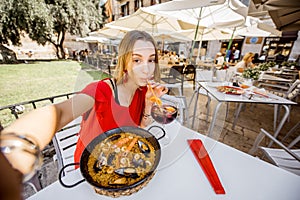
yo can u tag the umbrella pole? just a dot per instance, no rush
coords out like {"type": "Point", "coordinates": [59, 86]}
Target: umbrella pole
{"type": "Point", "coordinates": [200, 44]}
{"type": "Point", "coordinates": [230, 42]}
{"type": "Point", "coordinates": [195, 36]}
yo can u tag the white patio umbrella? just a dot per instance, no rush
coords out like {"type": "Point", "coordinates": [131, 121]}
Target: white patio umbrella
{"type": "Point", "coordinates": [169, 38]}
{"type": "Point", "coordinates": [93, 39]}
{"type": "Point", "coordinates": [110, 33]}
{"type": "Point", "coordinates": [207, 34]}
{"type": "Point", "coordinates": [232, 13]}
{"type": "Point", "coordinates": [150, 21]}
{"type": "Point", "coordinates": [186, 4]}
{"type": "Point", "coordinates": [256, 28]}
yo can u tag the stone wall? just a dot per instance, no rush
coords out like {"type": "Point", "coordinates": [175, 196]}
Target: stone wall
{"type": "Point", "coordinates": [30, 50]}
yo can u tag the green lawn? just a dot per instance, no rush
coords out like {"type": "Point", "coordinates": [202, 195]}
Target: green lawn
{"type": "Point", "coordinates": [24, 82]}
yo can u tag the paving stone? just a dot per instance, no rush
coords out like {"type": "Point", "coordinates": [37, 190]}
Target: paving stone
{"type": "Point", "coordinates": [237, 129]}
{"type": "Point", "coordinates": [250, 134]}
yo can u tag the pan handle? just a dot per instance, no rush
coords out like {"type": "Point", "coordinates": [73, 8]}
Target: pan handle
{"type": "Point", "coordinates": [163, 131]}
{"type": "Point", "coordinates": [61, 172]}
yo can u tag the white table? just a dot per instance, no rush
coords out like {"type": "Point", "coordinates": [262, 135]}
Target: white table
{"type": "Point", "coordinates": [284, 74]}
{"type": "Point", "coordinates": [267, 77]}
{"type": "Point", "coordinates": [211, 88]}
{"type": "Point", "coordinates": [179, 176]}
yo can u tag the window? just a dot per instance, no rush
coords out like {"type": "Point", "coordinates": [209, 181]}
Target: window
{"type": "Point", "coordinates": [125, 9]}
{"type": "Point", "coordinates": [153, 2]}
{"type": "Point", "coordinates": [138, 4]}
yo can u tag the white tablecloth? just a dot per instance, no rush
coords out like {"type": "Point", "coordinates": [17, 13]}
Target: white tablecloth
{"type": "Point", "coordinates": [179, 176]}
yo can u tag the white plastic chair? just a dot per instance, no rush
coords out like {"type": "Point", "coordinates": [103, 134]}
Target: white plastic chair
{"type": "Point", "coordinates": [174, 79]}
{"type": "Point", "coordinates": [64, 143]}
{"type": "Point", "coordinates": [290, 93]}
{"type": "Point", "coordinates": [174, 85]}
{"type": "Point", "coordinates": [284, 157]}
{"type": "Point", "coordinates": [221, 75]}
{"type": "Point", "coordinates": [230, 73]}
{"type": "Point", "coordinates": [201, 76]}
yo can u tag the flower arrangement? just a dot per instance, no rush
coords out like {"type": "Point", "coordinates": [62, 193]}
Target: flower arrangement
{"type": "Point", "coordinates": [288, 64]}
{"type": "Point", "coordinates": [265, 66]}
{"type": "Point", "coordinates": [251, 73]}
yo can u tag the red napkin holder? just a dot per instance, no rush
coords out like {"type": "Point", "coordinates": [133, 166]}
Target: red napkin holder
{"type": "Point", "coordinates": [206, 164]}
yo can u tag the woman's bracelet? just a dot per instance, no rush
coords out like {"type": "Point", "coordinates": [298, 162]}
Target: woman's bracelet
{"type": "Point", "coordinates": [146, 115]}
{"type": "Point", "coordinates": [147, 119]}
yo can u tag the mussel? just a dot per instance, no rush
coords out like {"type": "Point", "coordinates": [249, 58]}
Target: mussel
{"type": "Point", "coordinates": [127, 172]}
{"type": "Point", "coordinates": [100, 162]}
{"type": "Point", "coordinates": [114, 137]}
{"type": "Point", "coordinates": [143, 147]}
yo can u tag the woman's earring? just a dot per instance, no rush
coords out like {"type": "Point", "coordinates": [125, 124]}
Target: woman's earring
{"type": "Point", "coordinates": [125, 78]}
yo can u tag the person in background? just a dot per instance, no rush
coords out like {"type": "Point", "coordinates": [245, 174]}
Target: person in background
{"type": "Point", "coordinates": [279, 58]}
{"type": "Point", "coordinates": [256, 59]}
{"type": "Point", "coordinates": [228, 55]}
{"type": "Point", "coordinates": [219, 59]}
{"type": "Point", "coordinates": [245, 63]}
{"type": "Point", "coordinates": [173, 57]}
{"type": "Point", "coordinates": [166, 56]}
{"type": "Point", "coordinates": [236, 55]}
{"type": "Point", "coordinates": [182, 56]}
{"type": "Point", "coordinates": [124, 100]}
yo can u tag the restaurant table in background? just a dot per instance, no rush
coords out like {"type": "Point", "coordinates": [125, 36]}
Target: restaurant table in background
{"type": "Point", "coordinates": [283, 74]}
{"type": "Point", "coordinates": [221, 97]}
{"type": "Point", "coordinates": [206, 64]}
{"type": "Point", "coordinates": [179, 176]}
{"type": "Point", "coordinates": [267, 77]}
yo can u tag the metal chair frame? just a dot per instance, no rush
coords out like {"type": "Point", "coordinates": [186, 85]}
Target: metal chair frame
{"type": "Point", "coordinates": [284, 157]}
{"type": "Point", "coordinates": [18, 109]}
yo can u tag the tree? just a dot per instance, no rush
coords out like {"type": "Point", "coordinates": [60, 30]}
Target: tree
{"type": "Point", "coordinates": [47, 20]}
{"type": "Point", "coordinates": [18, 17]}
{"type": "Point", "coordinates": [75, 17]}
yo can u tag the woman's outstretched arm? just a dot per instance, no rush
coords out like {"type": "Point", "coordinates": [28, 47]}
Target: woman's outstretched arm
{"type": "Point", "coordinates": [43, 123]}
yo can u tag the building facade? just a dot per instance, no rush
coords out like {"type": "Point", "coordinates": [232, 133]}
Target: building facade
{"type": "Point", "coordinates": [121, 8]}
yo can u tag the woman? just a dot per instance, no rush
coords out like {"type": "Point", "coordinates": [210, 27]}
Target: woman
{"type": "Point", "coordinates": [121, 101]}
{"type": "Point", "coordinates": [245, 63]}
{"type": "Point", "coordinates": [219, 59]}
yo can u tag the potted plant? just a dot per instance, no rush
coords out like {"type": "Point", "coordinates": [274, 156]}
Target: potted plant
{"type": "Point", "coordinates": [251, 73]}
{"type": "Point", "coordinates": [265, 66]}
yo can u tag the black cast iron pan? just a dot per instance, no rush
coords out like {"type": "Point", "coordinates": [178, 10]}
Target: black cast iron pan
{"type": "Point", "coordinates": [87, 151]}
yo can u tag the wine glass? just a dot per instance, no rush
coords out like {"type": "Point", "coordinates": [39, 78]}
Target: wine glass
{"type": "Point", "coordinates": [164, 114]}
{"type": "Point", "coordinates": [23, 152]}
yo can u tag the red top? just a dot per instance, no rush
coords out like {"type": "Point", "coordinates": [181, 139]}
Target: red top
{"type": "Point", "coordinates": [107, 114]}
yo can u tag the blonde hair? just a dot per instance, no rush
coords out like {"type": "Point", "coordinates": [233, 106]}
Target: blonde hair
{"type": "Point", "coordinates": [126, 50]}
{"type": "Point", "coordinates": [247, 56]}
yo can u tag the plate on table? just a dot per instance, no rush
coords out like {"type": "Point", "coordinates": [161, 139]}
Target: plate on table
{"type": "Point", "coordinates": [244, 86]}
{"type": "Point", "coordinates": [230, 90]}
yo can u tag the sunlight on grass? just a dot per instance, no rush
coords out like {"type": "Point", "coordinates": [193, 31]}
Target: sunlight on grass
{"type": "Point", "coordinates": [25, 82]}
